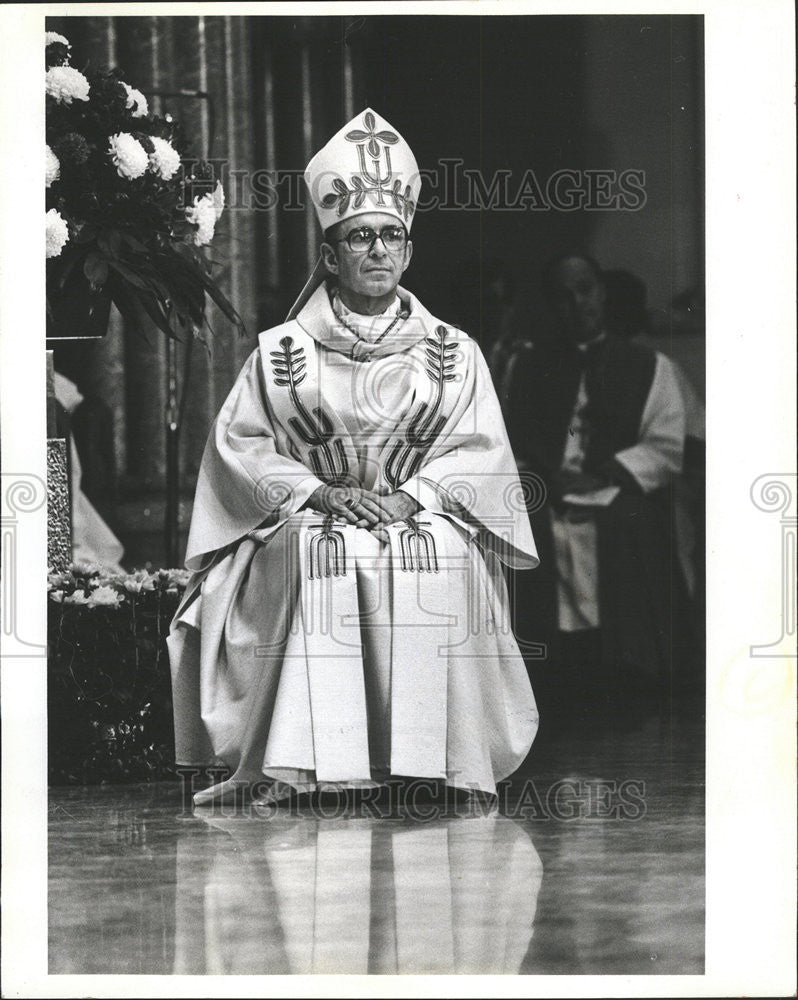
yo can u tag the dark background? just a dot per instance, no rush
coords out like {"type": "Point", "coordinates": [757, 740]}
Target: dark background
{"type": "Point", "coordinates": [500, 93]}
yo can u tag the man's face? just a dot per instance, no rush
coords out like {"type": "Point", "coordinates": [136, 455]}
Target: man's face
{"type": "Point", "coordinates": [374, 273]}
{"type": "Point", "coordinates": [577, 298]}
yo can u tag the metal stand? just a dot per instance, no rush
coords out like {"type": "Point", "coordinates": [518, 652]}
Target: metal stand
{"type": "Point", "coordinates": [171, 519]}
{"type": "Point", "coordinates": [173, 409]}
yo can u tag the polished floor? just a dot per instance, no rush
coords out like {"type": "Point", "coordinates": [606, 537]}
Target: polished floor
{"type": "Point", "coordinates": [593, 862]}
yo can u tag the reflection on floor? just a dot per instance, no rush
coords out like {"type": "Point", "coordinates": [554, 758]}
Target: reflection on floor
{"type": "Point", "coordinates": [593, 864]}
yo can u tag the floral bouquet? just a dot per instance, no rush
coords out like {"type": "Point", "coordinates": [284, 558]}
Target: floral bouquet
{"type": "Point", "coordinates": [95, 586]}
{"type": "Point", "coordinates": [109, 688]}
{"type": "Point", "coordinates": [126, 219]}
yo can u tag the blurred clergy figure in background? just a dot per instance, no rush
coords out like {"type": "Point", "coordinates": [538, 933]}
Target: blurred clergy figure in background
{"type": "Point", "coordinates": [601, 420]}
{"type": "Point", "coordinates": [347, 620]}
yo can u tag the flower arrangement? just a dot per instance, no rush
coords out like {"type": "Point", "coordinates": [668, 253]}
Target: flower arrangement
{"type": "Point", "coordinates": [126, 217]}
{"type": "Point", "coordinates": [109, 688]}
{"type": "Point", "coordinates": [96, 586]}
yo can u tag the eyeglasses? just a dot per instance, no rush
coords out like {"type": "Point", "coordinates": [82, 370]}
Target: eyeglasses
{"type": "Point", "coordinates": [363, 239]}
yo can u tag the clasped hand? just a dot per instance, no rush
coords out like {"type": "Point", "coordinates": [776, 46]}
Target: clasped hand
{"type": "Point", "coordinates": [363, 508]}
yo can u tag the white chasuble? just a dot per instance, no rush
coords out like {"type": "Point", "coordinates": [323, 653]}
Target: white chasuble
{"type": "Point", "coordinates": [334, 668]}
{"type": "Point", "coordinates": [307, 651]}
{"type": "Point", "coordinates": [419, 649]}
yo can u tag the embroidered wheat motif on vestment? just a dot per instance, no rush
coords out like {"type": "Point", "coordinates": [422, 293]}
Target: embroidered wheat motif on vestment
{"type": "Point", "coordinates": [327, 456]}
{"type": "Point", "coordinates": [427, 422]}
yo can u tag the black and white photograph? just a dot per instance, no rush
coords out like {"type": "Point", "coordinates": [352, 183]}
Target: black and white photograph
{"type": "Point", "coordinates": [398, 554]}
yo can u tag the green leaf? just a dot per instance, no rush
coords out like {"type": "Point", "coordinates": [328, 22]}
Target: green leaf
{"type": "Point", "coordinates": [130, 276]}
{"type": "Point", "coordinates": [224, 304]}
{"type": "Point", "coordinates": [68, 266]}
{"type": "Point", "coordinates": [95, 269]}
{"type": "Point", "coordinates": [133, 243]}
{"type": "Point", "coordinates": [85, 234]}
{"type": "Point", "coordinates": [151, 307]}
{"type": "Point", "coordinates": [123, 302]}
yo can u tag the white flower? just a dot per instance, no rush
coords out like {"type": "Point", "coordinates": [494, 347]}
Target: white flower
{"type": "Point", "coordinates": [52, 168]}
{"type": "Point", "coordinates": [104, 596]}
{"type": "Point", "coordinates": [86, 568]}
{"type": "Point", "coordinates": [57, 595]}
{"type": "Point", "coordinates": [136, 582]}
{"type": "Point", "coordinates": [202, 214]}
{"type": "Point", "coordinates": [136, 100]}
{"type": "Point", "coordinates": [77, 598]}
{"type": "Point", "coordinates": [164, 159]}
{"type": "Point", "coordinates": [128, 155]}
{"type": "Point", "coordinates": [57, 233]}
{"type": "Point", "coordinates": [66, 84]}
{"type": "Point", "coordinates": [218, 199]}
{"type": "Point", "coordinates": [51, 37]}
{"type": "Point", "coordinates": [174, 578]}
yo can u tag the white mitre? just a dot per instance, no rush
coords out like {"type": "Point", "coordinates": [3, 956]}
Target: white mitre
{"type": "Point", "coordinates": [366, 167]}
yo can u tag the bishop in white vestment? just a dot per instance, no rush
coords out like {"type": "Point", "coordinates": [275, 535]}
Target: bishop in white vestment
{"type": "Point", "coordinates": [347, 617]}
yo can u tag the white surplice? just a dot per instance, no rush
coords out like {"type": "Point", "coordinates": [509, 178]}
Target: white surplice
{"type": "Point", "coordinates": [306, 651]}
{"type": "Point", "coordinates": [652, 461]}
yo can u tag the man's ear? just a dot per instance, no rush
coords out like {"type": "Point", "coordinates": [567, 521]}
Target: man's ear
{"type": "Point", "coordinates": [408, 255]}
{"type": "Point", "coordinates": [329, 258]}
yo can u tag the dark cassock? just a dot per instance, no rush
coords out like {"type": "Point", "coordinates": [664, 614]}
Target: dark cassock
{"type": "Point", "coordinates": [314, 648]}
{"type": "Point", "coordinates": [609, 412]}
